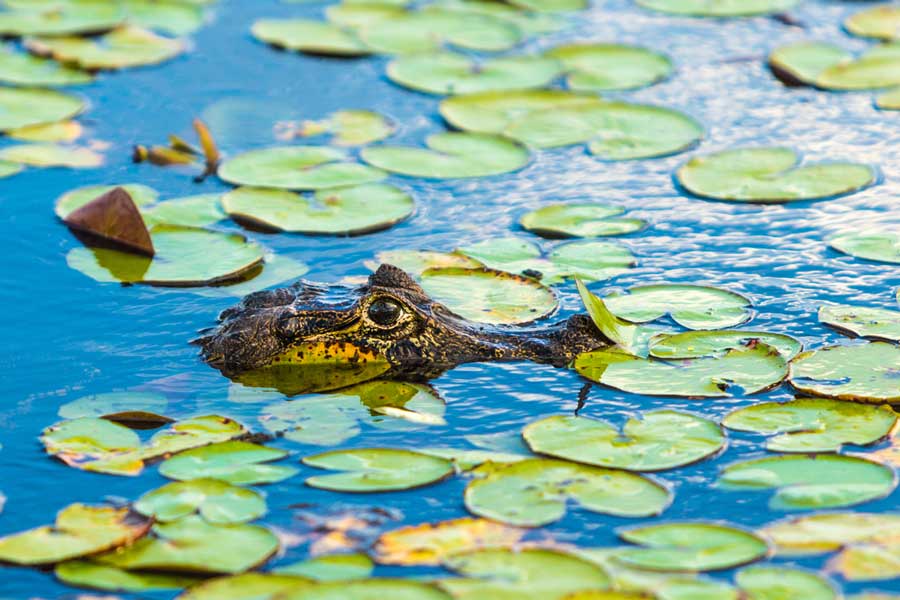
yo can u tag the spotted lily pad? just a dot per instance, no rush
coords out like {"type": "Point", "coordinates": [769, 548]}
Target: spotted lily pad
{"type": "Point", "coordinates": [60, 20]}
{"type": "Point", "coordinates": [338, 211]}
{"type": "Point", "coordinates": [298, 168]}
{"type": "Point", "coordinates": [376, 470]}
{"type": "Point", "coordinates": [431, 544]}
{"type": "Point", "coordinates": [313, 37]}
{"type": "Point", "coordinates": [770, 175]}
{"type": "Point", "coordinates": [121, 48]}
{"type": "Point", "coordinates": [602, 67]}
{"type": "Point", "coordinates": [775, 583]}
{"type": "Point", "coordinates": [24, 69]}
{"type": "Point", "coordinates": [216, 501]}
{"type": "Point", "coordinates": [579, 220]}
{"type": "Point", "coordinates": [659, 440]}
{"type": "Point", "coordinates": [874, 245]}
{"type": "Point", "coordinates": [867, 373]}
{"type": "Point", "coordinates": [238, 463]}
{"type": "Point", "coordinates": [808, 482]}
{"type": "Point", "coordinates": [52, 155]}
{"type": "Point", "coordinates": [863, 321]}
{"type": "Point", "coordinates": [719, 8]}
{"type": "Point", "coordinates": [690, 547]}
{"type": "Point", "coordinates": [695, 344]}
{"type": "Point", "coordinates": [535, 492]}
{"type": "Point", "coordinates": [691, 306]}
{"type": "Point", "coordinates": [814, 425]}
{"type": "Point", "coordinates": [450, 156]}
{"type": "Point", "coordinates": [89, 574]}
{"type": "Point", "coordinates": [23, 107]}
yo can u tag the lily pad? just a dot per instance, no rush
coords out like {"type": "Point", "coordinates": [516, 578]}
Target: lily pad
{"type": "Point", "coordinates": [775, 583]}
{"type": "Point", "coordinates": [238, 463]}
{"type": "Point", "coordinates": [312, 37]}
{"type": "Point", "coordinates": [450, 73]}
{"type": "Point", "coordinates": [696, 344]}
{"type": "Point", "coordinates": [719, 8]}
{"type": "Point", "coordinates": [368, 589]}
{"type": "Point", "coordinates": [751, 370]}
{"type": "Point", "coordinates": [866, 373]}
{"type": "Point", "coordinates": [868, 562]}
{"type": "Point", "coordinates": [297, 168]}
{"type": "Point", "coordinates": [819, 533]}
{"type": "Point", "coordinates": [535, 492]}
{"type": "Point", "coordinates": [61, 131]}
{"type": "Point", "coordinates": [23, 107]}
{"type": "Point", "coordinates": [331, 567]}
{"type": "Point", "coordinates": [24, 69]}
{"type": "Point", "coordinates": [190, 211]}
{"type": "Point", "coordinates": [617, 330]}
{"type": "Point", "coordinates": [216, 501]}
{"type": "Point", "coordinates": [451, 156]}
{"type": "Point", "coordinates": [338, 211]}
{"type": "Point", "coordinates": [801, 63]}
{"type": "Point", "coordinates": [770, 175]}
{"type": "Point", "coordinates": [863, 321]}
{"type": "Point", "coordinates": [275, 270]}
{"type": "Point", "coordinates": [889, 100]}
{"type": "Point", "coordinates": [376, 470]}
{"type": "Point", "coordinates": [494, 112]}
{"type": "Point", "coordinates": [350, 127]}
{"type": "Point", "coordinates": [691, 306]}
{"type": "Point", "coordinates": [606, 67]}
{"type": "Point", "coordinates": [121, 48]}
{"type": "Point", "coordinates": [579, 220]}
{"type": "Point", "coordinates": [657, 441]}
{"type": "Point", "coordinates": [89, 574]}
{"type": "Point", "coordinates": [258, 586]}
{"type": "Point", "coordinates": [105, 405]}
{"type": "Point", "coordinates": [416, 262]}
{"type": "Point", "coordinates": [431, 544]}
{"type": "Point", "coordinates": [833, 68]}
{"type": "Point", "coordinates": [61, 20]}
{"type": "Point", "coordinates": [690, 547]}
{"type": "Point", "coordinates": [814, 425]}
{"type": "Point", "coordinates": [879, 22]}
{"type": "Point", "coordinates": [874, 245]}
{"type": "Point", "coordinates": [812, 482]}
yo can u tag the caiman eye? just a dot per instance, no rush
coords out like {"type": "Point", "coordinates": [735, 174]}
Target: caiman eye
{"type": "Point", "coordinates": [385, 312]}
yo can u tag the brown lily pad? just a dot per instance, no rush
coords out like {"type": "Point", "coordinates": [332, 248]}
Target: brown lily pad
{"type": "Point", "coordinates": [113, 218]}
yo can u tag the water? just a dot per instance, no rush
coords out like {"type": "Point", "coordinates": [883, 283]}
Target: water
{"type": "Point", "coordinates": [67, 336]}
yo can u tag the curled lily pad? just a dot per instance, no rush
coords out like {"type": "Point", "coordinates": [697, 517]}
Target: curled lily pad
{"type": "Point", "coordinates": [298, 168]}
{"type": "Point", "coordinates": [102, 405]}
{"type": "Point", "coordinates": [185, 257]}
{"type": "Point", "coordinates": [350, 127]}
{"type": "Point", "coordinates": [695, 344]}
{"type": "Point", "coordinates": [24, 69]}
{"type": "Point", "coordinates": [368, 589]}
{"type": "Point", "coordinates": [863, 321]}
{"type": "Point", "coordinates": [238, 463]}
{"type": "Point", "coordinates": [807, 482]}
{"type": "Point", "coordinates": [535, 492]}
{"type": "Point", "coordinates": [874, 245]}
{"type": "Point", "coordinates": [451, 156]}
{"type": "Point", "coordinates": [690, 547]}
{"type": "Point", "coordinates": [23, 107]}
{"type": "Point", "coordinates": [691, 306]}
{"type": "Point", "coordinates": [818, 533]}
{"type": "Point", "coordinates": [313, 37]}
{"type": "Point", "coordinates": [814, 425]}
{"type": "Point", "coordinates": [259, 586]}
{"type": "Point", "coordinates": [719, 8]}
{"type": "Point", "coordinates": [331, 567]}
{"type": "Point", "coordinates": [121, 48]}
{"type": "Point", "coordinates": [620, 332]}
{"type": "Point", "coordinates": [659, 440]}
{"type": "Point", "coordinates": [579, 220]}
{"type": "Point", "coordinates": [52, 155]}
{"type": "Point", "coordinates": [141, 195]}
{"type": "Point", "coordinates": [866, 373]}
{"type": "Point", "coordinates": [216, 501]}
{"type": "Point", "coordinates": [431, 544]}
{"type": "Point", "coordinates": [338, 211]}
{"type": "Point", "coordinates": [880, 22]}
{"type": "Point", "coordinates": [489, 296]}
{"type": "Point", "coordinates": [89, 574]}
{"type": "Point", "coordinates": [774, 583]}
{"type": "Point", "coordinates": [450, 73]}
{"type": "Point", "coordinates": [602, 67]}
{"type": "Point", "coordinates": [749, 369]}
{"type": "Point", "coordinates": [60, 20]}
{"type": "Point", "coordinates": [80, 530]}
{"type": "Point", "coordinates": [770, 175]}
{"type": "Point", "coordinates": [376, 470]}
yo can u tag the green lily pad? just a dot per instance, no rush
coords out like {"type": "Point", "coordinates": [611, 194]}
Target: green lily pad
{"type": "Point", "coordinates": [8, 169]}
{"type": "Point", "coordinates": [879, 22]}
{"type": "Point", "coordinates": [61, 131]}
{"type": "Point", "coordinates": [719, 8]}
{"type": "Point", "coordinates": [101, 405]}
{"type": "Point", "coordinates": [863, 321]}
{"type": "Point", "coordinates": [190, 211]}
{"type": "Point", "coordinates": [312, 37]}
{"type": "Point", "coordinates": [338, 211]}
{"type": "Point", "coordinates": [216, 501]}
{"type": "Point", "coordinates": [530, 574]}
{"type": "Point", "coordinates": [238, 463]}
{"type": "Point", "coordinates": [752, 370]}
{"type": "Point", "coordinates": [696, 344]}
{"type": "Point", "coordinates": [691, 306]}
{"type": "Point", "coordinates": [61, 20]}
{"type": "Point", "coordinates": [866, 373]}
{"type": "Point", "coordinates": [185, 257]}
{"type": "Point", "coordinates": [297, 168]}
{"type": "Point", "coordinates": [690, 547]}
{"type": "Point", "coordinates": [605, 67]}
{"type": "Point", "coordinates": [89, 574]}
{"type": "Point", "coordinates": [332, 567]}
{"type": "Point", "coordinates": [173, 17]}
{"type": "Point", "coordinates": [191, 545]}
{"type": "Point", "coordinates": [24, 69]}
{"type": "Point", "coordinates": [889, 100]}
{"type": "Point", "coordinates": [70, 201]}
{"type": "Point", "coordinates": [579, 220]}
{"type": "Point", "coordinates": [350, 127]}
{"type": "Point", "coordinates": [51, 155]}
{"type": "Point", "coordinates": [121, 48]}
{"type": "Point", "coordinates": [535, 492]}
{"type": "Point", "coordinates": [416, 262]}
{"type": "Point", "coordinates": [451, 156]}
{"type": "Point", "coordinates": [801, 63]}
{"type": "Point", "coordinates": [276, 270]}
{"type": "Point", "coordinates": [808, 482]}
{"type": "Point", "coordinates": [450, 73]}
{"type": "Point", "coordinates": [868, 562]}
{"type": "Point", "coordinates": [79, 530]}
{"type": "Point", "coordinates": [617, 330]}
{"type": "Point", "coordinates": [258, 586]}
{"type": "Point", "coordinates": [778, 583]}
{"type": "Point", "coordinates": [23, 107]}
{"type": "Point", "coordinates": [433, 543]}
{"type": "Point", "coordinates": [368, 589]}
{"type": "Point", "coordinates": [489, 296]}
{"type": "Point", "coordinates": [832, 68]}
{"type": "Point", "coordinates": [359, 14]}
{"type": "Point", "coordinates": [466, 460]}
{"type": "Point", "coordinates": [814, 425]}
{"type": "Point", "coordinates": [875, 245]}
{"type": "Point", "coordinates": [376, 470]}
{"type": "Point", "coordinates": [770, 175]}
{"type": "Point", "coordinates": [659, 440]}
{"type": "Point", "coordinates": [494, 112]}
{"type": "Point", "coordinates": [828, 532]}
{"type": "Point", "coordinates": [535, 20]}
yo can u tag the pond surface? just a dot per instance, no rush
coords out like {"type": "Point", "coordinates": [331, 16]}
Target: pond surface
{"type": "Point", "coordinates": [67, 336]}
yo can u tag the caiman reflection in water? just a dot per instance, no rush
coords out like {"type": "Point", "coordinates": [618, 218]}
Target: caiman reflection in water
{"type": "Point", "coordinates": [309, 337]}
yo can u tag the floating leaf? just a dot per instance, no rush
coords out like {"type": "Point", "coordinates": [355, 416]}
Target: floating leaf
{"type": "Point", "coordinates": [719, 8]}
{"type": "Point", "coordinates": [494, 112]}
{"type": "Point", "coordinates": [815, 534]}
{"type": "Point", "coordinates": [141, 195]}
{"type": "Point", "coordinates": [332, 567]}
{"type": "Point", "coordinates": [367, 589]}
{"type": "Point", "coordinates": [451, 155]}
{"type": "Point", "coordinates": [618, 331]}
{"type": "Point", "coordinates": [415, 262]}
{"type": "Point", "coordinates": [807, 482]}
{"type": "Point", "coordinates": [889, 100]}
{"type": "Point", "coordinates": [216, 501]}
{"type": "Point", "coordinates": [868, 562]}
{"type": "Point", "coordinates": [62, 20]}
{"type": "Point", "coordinates": [24, 69]}
{"type": "Point", "coordinates": [872, 323]}
{"type": "Point", "coordinates": [238, 463]}
{"type": "Point", "coordinates": [579, 220]}
{"type": "Point", "coordinates": [89, 574]}
{"type": "Point", "coordinates": [376, 470]}
{"type": "Point", "coordinates": [466, 460]}
{"type": "Point", "coordinates": [775, 583]}
{"type": "Point", "coordinates": [690, 547]}
{"type": "Point", "coordinates": [350, 127]}
{"type": "Point", "coordinates": [121, 48]}
{"type": "Point", "coordinates": [276, 270]}
{"type": "Point", "coordinates": [62, 131]}
{"type": "Point", "coordinates": [880, 22]}
{"type": "Point", "coordinates": [866, 373]}
{"type": "Point", "coordinates": [770, 175]}
{"type": "Point", "coordinates": [102, 405]}
{"type": "Point", "coordinates": [8, 169]}
{"type": "Point", "coordinates": [534, 492]}
{"type": "Point", "coordinates": [695, 344]}
{"type": "Point", "coordinates": [338, 211]}
{"type": "Point", "coordinates": [259, 586]}
{"type": "Point", "coordinates": [114, 218]}
{"type": "Point", "coordinates": [801, 63]}
{"type": "Point", "coordinates": [24, 107]}
{"type": "Point", "coordinates": [833, 68]}
{"type": "Point", "coordinates": [52, 155]}
{"type": "Point", "coordinates": [190, 211]}
{"type": "Point", "coordinates": [298, 168]}
{"type": "Point", "coordinates": [691, 306]}
{"type": "Point", "coordinates": [431, 544]}
{"type": "Point", "coordinates": [659, 440]}
{"type": "Point", "coordinates": [603, 67]}
{"type": "Point", "coordinates": [313, 37]}
{"type": "Point", "coordinates": [874, 245]}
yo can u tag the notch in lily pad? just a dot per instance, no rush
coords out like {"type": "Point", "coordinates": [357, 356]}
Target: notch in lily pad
{"type": "Point", "coordinates": [377, 470]}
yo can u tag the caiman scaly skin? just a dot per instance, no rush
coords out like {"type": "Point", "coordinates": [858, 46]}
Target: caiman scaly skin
{"type": "Point", "coordinates": [390, 315]}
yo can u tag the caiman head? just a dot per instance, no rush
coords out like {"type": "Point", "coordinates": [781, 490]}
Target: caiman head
{"type": "Point", "coordinates": [388, 327]}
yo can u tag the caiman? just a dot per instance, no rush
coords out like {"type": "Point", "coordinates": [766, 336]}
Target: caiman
{"type": "Point", "coordinates": [387, 328]}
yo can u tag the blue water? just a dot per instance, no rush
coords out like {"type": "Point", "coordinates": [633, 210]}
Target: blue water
{"type": "Point", "coordinates": [66, 336]}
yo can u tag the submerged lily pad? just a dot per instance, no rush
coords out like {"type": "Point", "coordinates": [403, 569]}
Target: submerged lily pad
{"type": "Point", "coordinates": [579, 220]}
{"type": "Point", "coordinates": [535, 492]}
{"type": "Point", "coordinates": [238, 463]}
{"type": "Point", "coordinates": [23, 69]}
{"type": "Point", "coordinates": [89, 574]}
{"type": "Point", "coordinates": [863, 321]}
{"type": "Point", "coordinates": [691, 306]}
{"type": "Point", "coordinates": [23, 107]}
{"type": "Point", "coordinates": [866, 373]}
{"type": "Point", "coordinates": [297, 168]}
{"type": "Point", "coordinates": [121, 48]}
{"type": "Point", "coordinates": [775, 583]}
{"type": "Point", "coordinates": [695, 344]}
{"type": "Point", "coordinates": [877, 245]}
{"type": "Point", "coordinates": [807, 482]}
{"type": "Point", "coordinates": [376, 470]}
{"type": "Point", "coordinates": [659, 440]}
{"type": "Point", "coordinates": [770, 175]}
{"type": "Point", "coordinates": [813, 425]}
{"type": "Point", "coordinates": [338, 211]}
{"type": "Point", "coordinates": [719, 8]}
{"type": "Point", "coordinates": [431, 544]}
{"type": "Point", "coordinates": [313, 37]}
{"type": "Point", "coordinates": [216, 501]}
{"type": "Point", "coordinates": [603, 67]}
